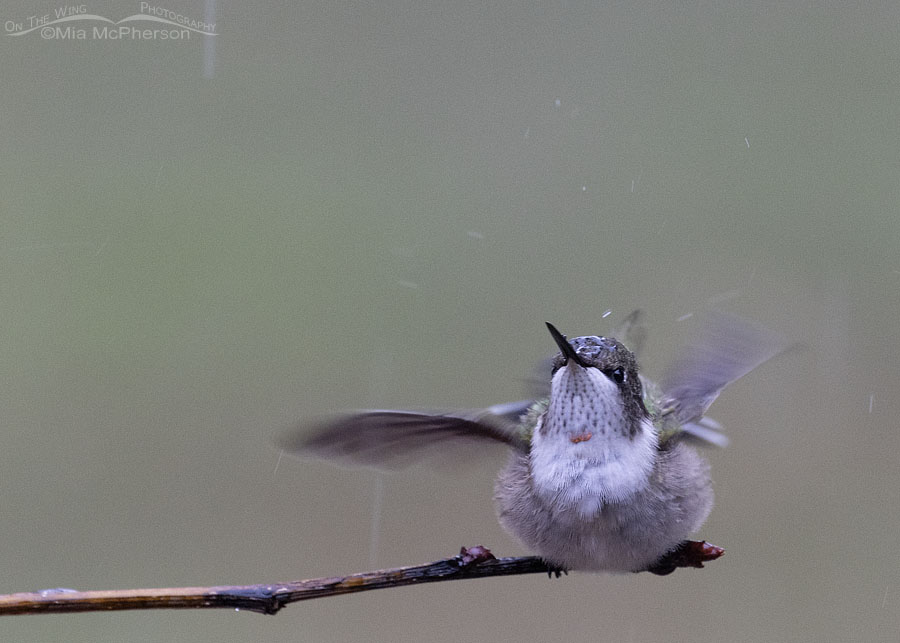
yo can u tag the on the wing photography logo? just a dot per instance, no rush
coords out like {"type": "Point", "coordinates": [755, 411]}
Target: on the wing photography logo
{"type": "Point", "coordinates": [75, 22]}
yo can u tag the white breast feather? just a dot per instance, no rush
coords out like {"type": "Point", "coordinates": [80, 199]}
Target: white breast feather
{"type": "Point", "coordinates": [607, 467]}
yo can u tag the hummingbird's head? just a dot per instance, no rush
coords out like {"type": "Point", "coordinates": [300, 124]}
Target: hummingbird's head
{"type": "Point", "coordinates": [597, 377]}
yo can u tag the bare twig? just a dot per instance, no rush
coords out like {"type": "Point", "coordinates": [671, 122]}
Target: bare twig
{"type": "Point", "coordinates": [476, 562]}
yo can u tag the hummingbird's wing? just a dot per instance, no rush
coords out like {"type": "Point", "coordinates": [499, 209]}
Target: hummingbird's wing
{"type": "Point", "coordinates": [632, 332]}
{"type": "Point", "coordinates": [727, 348]}
{"type": "Point", "coordinates": [705, 431]}
{"type": "Point", "coordinates": [390, 439]}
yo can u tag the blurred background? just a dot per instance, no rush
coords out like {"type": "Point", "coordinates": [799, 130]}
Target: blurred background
{"type": "Point", "coordinates": [205, 241]}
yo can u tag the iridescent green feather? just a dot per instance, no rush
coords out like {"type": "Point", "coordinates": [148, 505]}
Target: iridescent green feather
{"type": "Point", "coordinates": [532, 416]}
{"type": "Point", "coordinates": [666, 425]}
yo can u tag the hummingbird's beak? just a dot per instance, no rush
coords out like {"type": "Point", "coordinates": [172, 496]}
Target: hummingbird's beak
{"type": "Point", "coordinates": [564, 346]}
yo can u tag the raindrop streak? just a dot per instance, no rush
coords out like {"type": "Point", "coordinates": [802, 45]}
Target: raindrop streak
{"type": "Point", "coordinates": [375, 533]}
{"type": "Point", "coordinates": [750, 278]}
{"type": "Point", "coordinates": [871, 402]}
{"type": "Point", "coordinates": [278, 462]}
{"type": "Point", "coordinates": [747, 141]}
{"type": "Point", "coordinates": [209, 42]}
{"type": "Point", "coordinates": [685, 317]}
{"type": "Point", "coordinates": [606, 314]}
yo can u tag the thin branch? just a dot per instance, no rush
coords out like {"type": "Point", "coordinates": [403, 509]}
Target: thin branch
{"type": "Point", "coordinates": [475, 562]}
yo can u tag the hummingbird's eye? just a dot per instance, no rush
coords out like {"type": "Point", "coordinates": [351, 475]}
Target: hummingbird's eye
{"type": "Point", "coordinates": [618, 375]}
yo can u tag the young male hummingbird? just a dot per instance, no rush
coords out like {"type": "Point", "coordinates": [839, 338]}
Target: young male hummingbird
{"type": "Point", "coordinates": [602, 475]}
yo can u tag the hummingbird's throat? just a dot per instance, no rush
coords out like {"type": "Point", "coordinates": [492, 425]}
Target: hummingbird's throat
{"type": "Point", "coordinates": [584, 403]}
{"type": "Point", "coordinates": [585, 453]}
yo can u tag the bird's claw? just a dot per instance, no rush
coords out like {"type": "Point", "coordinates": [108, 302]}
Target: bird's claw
{"type": "Point", "coordinates": [476, 555]}
{"type": "Point", "coordinates": [689, 553]}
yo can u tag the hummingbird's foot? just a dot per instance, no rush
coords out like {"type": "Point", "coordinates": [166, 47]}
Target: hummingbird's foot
{"type": "Point", "coordinates": [555, 570]}
{"type": "Point", "coordinates": [476, 555]}
{"type": "Point", "coordinates": [689, 553]}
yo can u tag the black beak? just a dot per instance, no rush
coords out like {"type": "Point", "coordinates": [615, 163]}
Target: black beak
{"type": "Point", "coordinates": [564, 346]}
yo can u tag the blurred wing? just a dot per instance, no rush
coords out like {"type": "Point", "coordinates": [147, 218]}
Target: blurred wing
{"type": "Point", "coordinates": [706, 431]}
{"type": "Point", "coordinates": [703, 431]}
{"type": "Point", "coordinates": [727, 348]}
{"type": "Point", "coordinates": [632, 332]}
{"type": "Point", "coordinates": [391, 439]}
{"type": "Point", "coordinates": [511, 412]}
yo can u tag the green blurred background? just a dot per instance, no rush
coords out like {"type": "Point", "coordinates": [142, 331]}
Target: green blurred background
{"type": "Point", "coordinates": [332, 205]}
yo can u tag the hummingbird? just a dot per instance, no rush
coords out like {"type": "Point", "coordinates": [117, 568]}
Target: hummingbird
{"type": "Point", "coordinates": [603, 473]}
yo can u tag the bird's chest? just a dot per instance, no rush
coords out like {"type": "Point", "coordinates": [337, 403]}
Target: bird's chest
{"type": "Point", "coordinates": [579, 465]}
